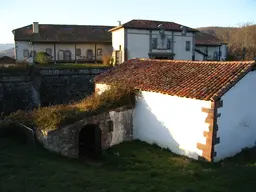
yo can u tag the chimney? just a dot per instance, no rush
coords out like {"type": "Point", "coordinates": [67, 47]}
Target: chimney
{"type": "Point", "coordinates": [119, 23]}
{"type": "Point", "coordinates": [35, 27]}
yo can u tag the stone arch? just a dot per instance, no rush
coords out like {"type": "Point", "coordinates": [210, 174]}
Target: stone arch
{"type": "Point", "coordinates": [89, 143]}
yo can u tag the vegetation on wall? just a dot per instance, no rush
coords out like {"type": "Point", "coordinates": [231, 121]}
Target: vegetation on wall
{"type": "Point", "coordinates": [241, 40]}
{"type": "Point", "coordinates": [53, 117]}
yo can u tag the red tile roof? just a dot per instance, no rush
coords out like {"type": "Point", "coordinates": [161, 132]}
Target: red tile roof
{"type": "Point", "coordinates": [65, 33]}
{"type": "Point", "coordinates": [204, 80]}
{"type": "Point", "coordinates": [150, 24]}
{"type": "Point", "coordinates": [207, 39]}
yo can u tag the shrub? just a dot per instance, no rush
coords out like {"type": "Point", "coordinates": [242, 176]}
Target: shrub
{"type": "Point", "coordinates": [52, 117]}
{"type": "Point", "coordinates": [42, 58]}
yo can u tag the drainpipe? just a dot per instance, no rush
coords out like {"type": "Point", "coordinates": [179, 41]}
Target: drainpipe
{"type": "Point", "coordinates": [219, 52]}
{"type": "Point", "coordinates": [54, 49]}
{"type": "Point", "coordinates": [33, 55]}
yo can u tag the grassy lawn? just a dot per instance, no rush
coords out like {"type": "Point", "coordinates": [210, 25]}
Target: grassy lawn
{"type": "Point", "coordinates": [132, 166]}
{"type": "Point", "coordinates": [72, 65]}
{"type": "Point", "coordinates": [23, 67]}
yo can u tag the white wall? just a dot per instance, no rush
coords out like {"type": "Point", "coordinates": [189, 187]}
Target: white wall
{"type": "Point", "coordinates": [41, 47]}
{"type": "Point", "coordinates": [118, 37]}
{"type": "Point", "coordinates": [20, 46]}
{"type": "Point", "coordinates": [212, 49]}
{"type": "Point", "coordinates": [199, 57]}
{"type": "Point", "coordinates": [171, 122]}
{"type": "Point", "coordinates": [138, 43]}
{"type": "Point", "coordinates": [100, 88]}
{"type": "Point", "coordinates": [180, 46]}
{"type": "Point", "coordinates": [237, 124]}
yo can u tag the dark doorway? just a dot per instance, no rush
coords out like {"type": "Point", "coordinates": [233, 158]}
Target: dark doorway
{"type": "Point", "coordinates": [161, 57]}
{"type": "Point", "coordinates": [89, 141]}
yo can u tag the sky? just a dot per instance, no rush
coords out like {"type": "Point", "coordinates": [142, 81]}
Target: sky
{"type": "Point", "coordinates": [192, 13]}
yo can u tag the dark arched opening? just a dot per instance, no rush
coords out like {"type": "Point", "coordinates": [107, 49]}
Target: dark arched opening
{"type": "Point", "coordinates": [89, 141]}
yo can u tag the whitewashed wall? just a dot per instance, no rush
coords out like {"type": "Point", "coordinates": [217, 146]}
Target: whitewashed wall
{"type": "Point", "coordinates": [20, 46]}
{"type": "Point", "coordinates": [199, 57]}
{"type": "Point", "coordinates": [212, 49]}
{"type": "Point", "coordinates": [118, 37]}
{"type": "Point", "coordinates": [100, 88]}
{"type": "Point", "coordinates": [41, 47]}
{"type": "Point", "coordinates": [180, 46]}
{"type": "Point", "coordinates": [224, 51]}
{"type": "Point", "coordinates": [237, 124]}
{"type": "Point", "coordinates": [138, 43]}
{"type": "Point", "coordinates": [171, 122]}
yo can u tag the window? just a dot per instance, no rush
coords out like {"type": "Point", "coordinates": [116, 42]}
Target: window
{"type": "Point", "coordinates": [169, 44]}
{"type": "Point", "coordinates": [220, 53]}
{"type": "Point", "coordinates": [25, 53]}
{"type": "Point", "coordinates": [110, 126]}
{"type": "Point", "coordinates": [99, 52]}
{"type": "Point", "coordinates": [215, 55]}
{"type": "Point", "coordinates": [188, 45]}
{"type": "Point", "coordinates": [78, 52]}
{"type": "Point", "coordinates": [48, 51]}
{"type": "Point", "coordinates": [89, 54]}
{"type": "Point", "coordinates": [154, 43]}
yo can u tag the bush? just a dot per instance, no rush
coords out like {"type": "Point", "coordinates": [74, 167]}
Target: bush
{"type": "Point", "coordinates": [53, 117]}
{"type": "Point", "coordinates": [42, 58]}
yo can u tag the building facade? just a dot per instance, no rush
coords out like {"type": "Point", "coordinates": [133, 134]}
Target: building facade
{"type": "Point", "coordinates": [63, 43]}
{"type": "Point", "coordinates": [192, 108]}
{"type": "Point", "coordinates": [164, 40]}
{"type": "Point", "coordinates": [134, 39]}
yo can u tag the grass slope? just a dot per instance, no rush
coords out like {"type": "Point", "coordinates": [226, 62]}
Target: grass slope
{"type": "Point", "coordinates": [129, 167]}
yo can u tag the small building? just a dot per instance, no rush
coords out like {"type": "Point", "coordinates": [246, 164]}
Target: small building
{"type": "Point", "coordinates": [162, 40]}
{"type": "Point", "coordinates": [209, 48]}
{"type": "Point", "coordinates": [65, 43]}
{"type": "Point", "coordinates": [200, 109]}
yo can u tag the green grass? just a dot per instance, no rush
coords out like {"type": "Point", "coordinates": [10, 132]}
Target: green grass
{"type": "Point", "coordinates": [129, 167]}
{"type": "Point", "coordinates": [72, 65]}
{"type": "Point", "coordinates": [18, 68]}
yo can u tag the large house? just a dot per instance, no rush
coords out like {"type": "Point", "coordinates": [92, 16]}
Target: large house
{"type": "Point", "coordinates": [65, 43]}
{"type": "Point", "coordinates": [134, 39]}
{"type": "Point", "coordinates": [201, 109]}
{"type": "Point", "coordinates": [164, 40]}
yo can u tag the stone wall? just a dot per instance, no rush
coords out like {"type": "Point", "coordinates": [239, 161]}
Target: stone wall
{"type": "Point", "coordinates": [44, 87]}
{"type": "Point", "coordinates": [65, 140]}
{"type": "Point", "coordinates": [17, 92]}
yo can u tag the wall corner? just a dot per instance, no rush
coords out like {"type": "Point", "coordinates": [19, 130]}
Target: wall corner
{"type": "Point", "coordinates": [208, 151]}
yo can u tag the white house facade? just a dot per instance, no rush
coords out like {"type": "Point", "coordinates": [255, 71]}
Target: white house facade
{"type": "Point", "coordinates": [164, 40]}
{"type": "Point", "coordinates": [203, 110]}
{"type": "Point", "coordinates": [134, 39]}
{"type": "Point", "coordinates": [63, 43]}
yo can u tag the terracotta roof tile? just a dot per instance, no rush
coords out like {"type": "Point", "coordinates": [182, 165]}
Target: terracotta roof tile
{"type": "Point", "coordinates": [204, 80]}
{"type": "Point", "coordinates": [207, 39]}
{"type": "Point", "coordinates": [151, 24]}
{"type": "Point", "coordinates": [65, 33]}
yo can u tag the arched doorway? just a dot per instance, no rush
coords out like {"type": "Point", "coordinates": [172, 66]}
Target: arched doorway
{"type": "Point", "coordinates": [89, 141]}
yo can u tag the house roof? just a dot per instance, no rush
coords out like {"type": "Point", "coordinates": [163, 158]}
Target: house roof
{"type": "Point", "coordinates": [204, 80]}
{"type": "Point", "coordinates": [207, 39]}
{"type": "Point", "coordinates": [150, 24]}
{"type": "Point", "coordinates": [65, 33]}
